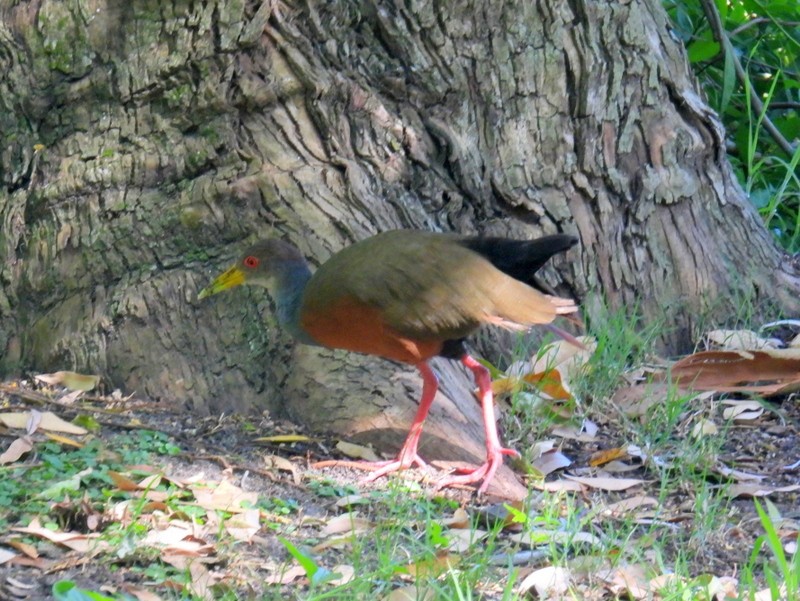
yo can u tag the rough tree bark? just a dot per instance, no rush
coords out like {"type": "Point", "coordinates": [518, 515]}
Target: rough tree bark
{"type": "Point", "coordinates": [144, 142]}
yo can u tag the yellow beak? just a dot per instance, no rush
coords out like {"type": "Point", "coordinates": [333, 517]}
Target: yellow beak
{"type": "Point", "coordinates": [230, 279]}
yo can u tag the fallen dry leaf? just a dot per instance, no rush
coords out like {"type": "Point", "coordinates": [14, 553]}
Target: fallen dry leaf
{"type": "Point", "coordinates": [740, 340]}
{"type": "Point", "coordinates": [357, 451]}
{"type": "Point", "coordinates": [346, 522]}
{"type": "Point", "coordinates": [225, 496]}
{"type": "Point", "coordinates": [244, 526]}
{"type": "Point", "coordinates": [768, 372]}
{"type": "Point", "coordinates": [16, 449]}
{"type": "Point", "coordinates": [742, 410]}
{"type": "Point", "coordinates": [286, 577]}
{"type": "Point", "coordinates": [605, 483]}
{"type": "Point", "coordinates": [343, 574]}
{"type": "Point", "coordinates": [26, 548]}
{"type": "Point", "coordinates": [586, 433]}
{"type": "Point", "coordinates": [459, 519]}
{"type": "Point", "coordinates": [65, 440]}
{"type": "Point", "coordinates": [284, 465]}
{"type": "Point", "coordinates": [626, 506]}
{"type": "Point", "coordinates": [752, 489]}
{"type": "Point", "coordinates": [432, 568]}
{"type": "Point", "coordinates": [629, 579]}
{"type": "Point", "coordinates": [637, 399]}
{"type": "Point", "coordinates": [285, 438]}
{"type": "Point", "coordinates": [410, 593]}
{"type": "Point", "coordinates": [49, 421]}
{"type": "Point", "coordinates": [704, 427]}
{"type": "Point", "coordinates": [76, 541]}
{"type": "Point", "coordinates": [6, 555]}
{"type": "Point", "coordinates": [602, 457]}
{"type": "Point", "coordinates": [558, 486]}
{"type": "Point", "coordinates": [549, 462]}
{"type": "Point", "coordinates": [70, 379]}
{"type": "Point", "coordinates": [539, 537]}
{"type": "Point", "coordinates": [549, 583]}
{"type": "Point", "coordinates": [171, 535]}
{"type": "Point", "coordinates": [550, 371]}
{"type": "Point", "coordinates": [462, 540]}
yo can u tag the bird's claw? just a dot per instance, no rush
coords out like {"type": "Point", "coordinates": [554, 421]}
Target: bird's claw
{"type": "Point", "coordinates": [403, 462]}
{"type": "Point", "coordinates": [484, 472]}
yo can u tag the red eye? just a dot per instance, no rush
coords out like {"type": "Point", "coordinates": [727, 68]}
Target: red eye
{"type": "Point", "coordinates": [251, 262]}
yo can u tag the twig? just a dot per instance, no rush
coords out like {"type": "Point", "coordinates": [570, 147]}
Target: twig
{"type": "Point", "coordinates": [715, 21]}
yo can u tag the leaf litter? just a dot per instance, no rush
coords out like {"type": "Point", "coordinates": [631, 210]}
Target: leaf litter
{"type": "Point", "coordinates": [204, 512]}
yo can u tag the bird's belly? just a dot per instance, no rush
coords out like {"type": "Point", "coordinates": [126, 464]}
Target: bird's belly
{"type": "Point", "coordinates": [354, 326]}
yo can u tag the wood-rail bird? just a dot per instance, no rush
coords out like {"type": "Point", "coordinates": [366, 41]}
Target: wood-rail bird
{"type": "Point", "coordinates": [409, 296]}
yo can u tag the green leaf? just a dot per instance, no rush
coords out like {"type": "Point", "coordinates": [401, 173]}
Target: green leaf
{"type": "Point", "coordinates": [722, 8]}
{"type": "Point", "coordinates": [316, 574]}
{"type": "Point", "coordinates": [728, 79]}
{"type": "Point", "coordinates": [305, 561]}
{"type": "Point", "coordinates": [702, 50]}
{"type": "Point", "coordinates": [65, 590]}
{"type": "Point", "coordinates": [87, 421]}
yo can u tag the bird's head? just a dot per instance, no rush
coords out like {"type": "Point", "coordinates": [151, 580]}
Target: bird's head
{"type": "Point", "coordinates": [260, 264]}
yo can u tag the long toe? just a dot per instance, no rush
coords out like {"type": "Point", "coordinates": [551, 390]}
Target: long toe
{"type": "Point", "coordinates": [401, 463]}
{"type": "Point", "coordinates": [484, 472]}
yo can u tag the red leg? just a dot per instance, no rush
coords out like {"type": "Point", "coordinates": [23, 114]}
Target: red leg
{"type": "Point", "coordinates": [408, 455]}
{"type": "Point", "coordinates": [494, 450]}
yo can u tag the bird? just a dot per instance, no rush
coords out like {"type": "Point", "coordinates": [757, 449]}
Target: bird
{"type": "Point", "coordinates": [409, 296]}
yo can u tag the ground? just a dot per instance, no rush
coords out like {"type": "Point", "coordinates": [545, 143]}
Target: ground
{"type": "Point", "coordinates": [136, 507]}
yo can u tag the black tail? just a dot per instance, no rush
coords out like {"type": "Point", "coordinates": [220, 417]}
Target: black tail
{"type": "Point", "coordinates": [520, 259]}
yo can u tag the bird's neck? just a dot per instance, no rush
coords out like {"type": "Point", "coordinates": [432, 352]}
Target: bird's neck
{"type": "Point", "coordinates": [290, 282]}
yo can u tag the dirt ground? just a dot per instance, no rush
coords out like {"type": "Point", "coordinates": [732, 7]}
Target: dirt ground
{"type": "Point", "coordinates": [225, 448]}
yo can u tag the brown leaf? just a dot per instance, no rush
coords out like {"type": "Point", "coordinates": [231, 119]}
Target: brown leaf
{"type": "Point", "coordinates": [626, 506]}
{"type": "Point", "coordinates": [281, 463]}
{"type": "Point", "coordinates": [285, 438]}
{"type": "Point", "coordinates": [347, 522]}
{"type": "Point", "coordinates": [742, 410]}
{"type": "Point", "coordinates": [225, 497]}
{"type": "Point", "coordinates": [586, 433]}
{"type": "Point", "coordinates": [637, 399]}
{"type": "Point", "coordinates": [459, 519]}
{"type": "Point", "coordinates": [6, 555]}
{"type": "Point", "coordinates": [74, 540]}
{"type": "Point", "coordinates": [549, 582]}
{"type": "Point", "coordinates": [605, 483]}
{"type": "Point", "coordinates": [345, 574]}
{"type": "Point", "coordinates": [286, 577]}
{"type": "Point", "coordinates": [122, 482]}
{"type": "Point", "coordinates": [70, 379]}
{"type": "Point", "coordinates": [599, 458]}
{"type": "Point", "coordinates": [550, 462]}
{"type": "Point", "coordinates": [753, 489]}
{"type": "Point", "coordinates": [558, 486]}
{"type": "Point", "coordinates": [65, 440]}
{"type": "Point", "coordinates": [767, 372]}
{"type": "Point", "coordinates": [16, 449]}
{"type": "Point", "coordinates": [244, 526]}
{"type": "Point", "coordinates": [410, 593]}
{"type": "Point", "coordinates": [432, 568]}
{"type": "Point", "coordinates": [357, 451]}
{"type": "Point", "coordinates": [740, 340]}
{"type": "Point", "coordinates": [25, 548]}
{"type": "Point", "coordinates": [49, 421]}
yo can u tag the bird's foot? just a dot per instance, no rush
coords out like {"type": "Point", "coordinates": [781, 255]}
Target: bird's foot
{"type": "Point", "coordinates": [403, 462]}
{"type": "Point", "coordinates": [485, 472]}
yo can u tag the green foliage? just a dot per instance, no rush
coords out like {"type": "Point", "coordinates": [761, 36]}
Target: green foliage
{"type": "Point", "coordinates": [65, 590]}
{"type": "Point", "coordinates": [760, 105]}
{"type": "Point", "coordinates": [783, 572]}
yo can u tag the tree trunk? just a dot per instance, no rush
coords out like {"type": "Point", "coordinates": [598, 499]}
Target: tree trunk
{"type": "Point", "coordinates": [145, 142]}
